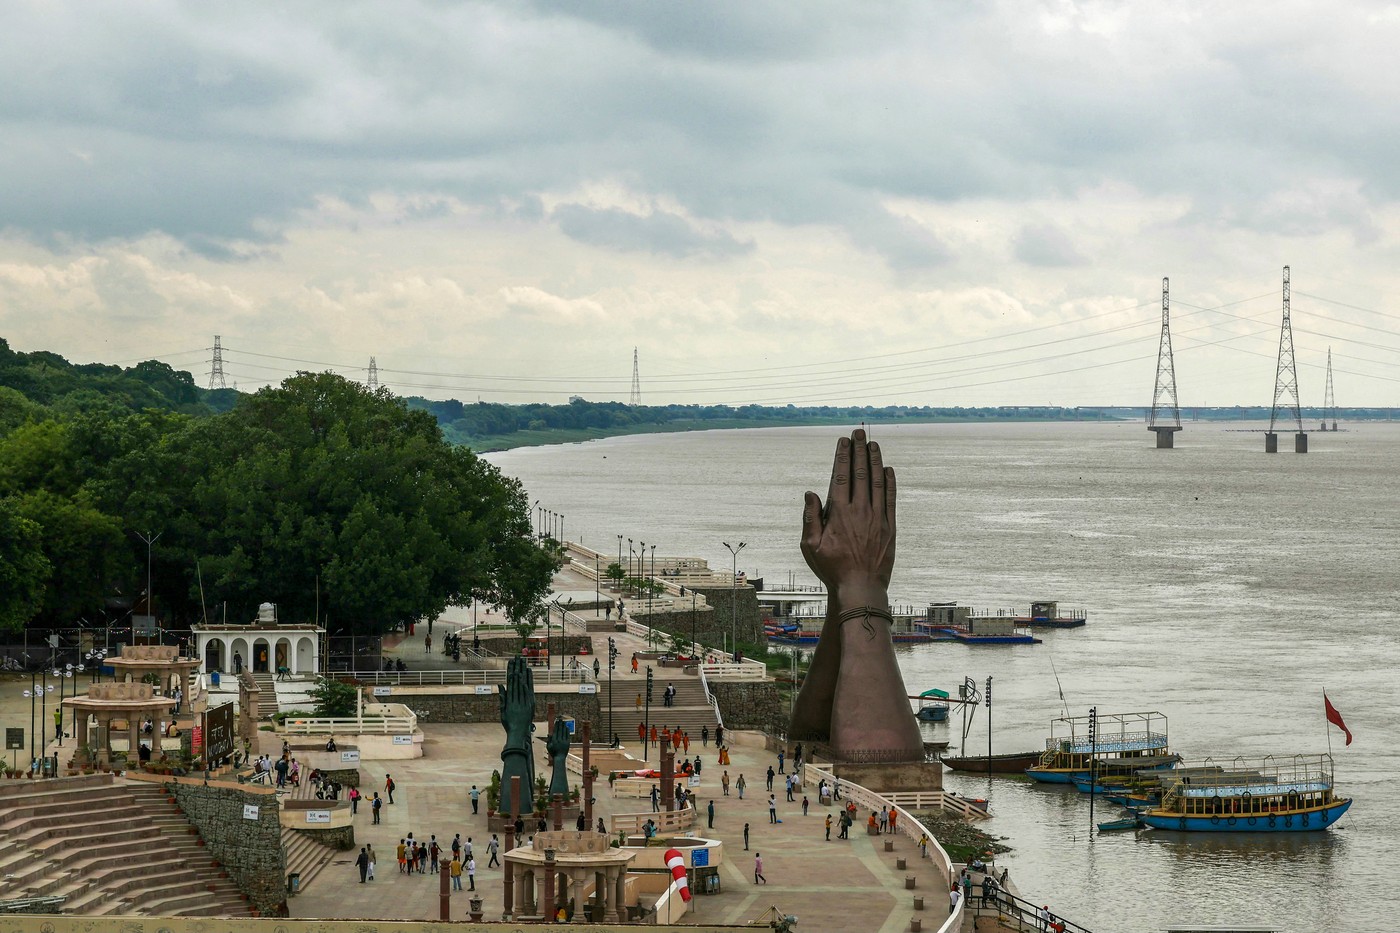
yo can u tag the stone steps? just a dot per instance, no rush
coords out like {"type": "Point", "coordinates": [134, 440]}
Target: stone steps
{"type": "Point", "coordinates": [305, 855]}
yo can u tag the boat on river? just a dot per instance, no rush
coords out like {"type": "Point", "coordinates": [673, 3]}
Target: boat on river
{"type": "Point", "coordinates": [1132, 821]}
{"type": "Point", "coordinates": [1269, 795]}
{"type": "Point", "coordinates": [1009, 763]}
{"type": "Point", "coordinates": [1121, 740]}
{"type": "Point", "coordinates": [933, 706]}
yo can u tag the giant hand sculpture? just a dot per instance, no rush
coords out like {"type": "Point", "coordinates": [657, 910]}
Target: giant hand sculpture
{"type": "Point", "coordinates": [517, 717]}
{"type": "Point", "coordinates": [854, 699]}
{"type": "Point", "coordinates": [558, 747]}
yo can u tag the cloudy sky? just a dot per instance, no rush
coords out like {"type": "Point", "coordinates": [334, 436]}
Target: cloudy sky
{"type": "Point", "coordinates": [923, 203]}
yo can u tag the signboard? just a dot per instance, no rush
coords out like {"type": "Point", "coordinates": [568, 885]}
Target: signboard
{"type": "Point", "coordinates": [350, 756]}
{"type": "Point", "coordinates": [250, 811]}
{"type": "Point", "coordinates": [197, 739]}
{"type": "Point", "coordinates": [14, 739]}
{"type": "Point", "coordinates": [403, 740]}
{"type": "Point", "coordinates": [693, 781]}
{"type": "Point", "coordinates": [587, 688]}
{"type": "Point", "coordinates": [699, 858]}
{"type": "Point", "coordinates": [383, 691]}
{"type": "Point", "coordinates": [318, 816]}
{"type": "Point", "coordinates": [218, 732]}
{"type": "Point", "coordinates": [143, 625]}
{"type": "Point", "coordinates": [485, 689]}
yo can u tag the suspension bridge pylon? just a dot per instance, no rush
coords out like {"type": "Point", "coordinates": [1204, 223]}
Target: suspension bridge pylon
{"type": "Point", "coordinates": [1286, 382]}
{"type": "Point", "coordinates": [1165, 419]}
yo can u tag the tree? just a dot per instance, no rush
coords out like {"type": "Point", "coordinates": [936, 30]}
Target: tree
{"type": "Point", "coordinates": [23, 568]}
{"type": "Point", "coordinates": [334, 698]}
{"type": "Point", "coordinates": [84, 548]}
{"type": "Point", "coordinates": [615, 573]}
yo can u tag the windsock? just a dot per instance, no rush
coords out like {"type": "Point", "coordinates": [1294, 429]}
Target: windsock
{"type": "Point", "coordinates": [676, 862]}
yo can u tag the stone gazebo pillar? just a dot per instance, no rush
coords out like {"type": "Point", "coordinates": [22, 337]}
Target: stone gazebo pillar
{"type": "Point", "coordinates": [111, 701]}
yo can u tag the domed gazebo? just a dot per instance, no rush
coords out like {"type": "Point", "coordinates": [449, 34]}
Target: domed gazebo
{"type": "Point", "coordinates": [132, 702]}
{"type": "Point", "coordinates": [171, 671]}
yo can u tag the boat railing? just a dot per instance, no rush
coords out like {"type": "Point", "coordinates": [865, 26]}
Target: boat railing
{"type": "Point", "coordinates": [1119, 742]}
{"type": "Point", "coordinates": [1241, 773]}
{"type": "Point", "coordinates": [1017, 913]}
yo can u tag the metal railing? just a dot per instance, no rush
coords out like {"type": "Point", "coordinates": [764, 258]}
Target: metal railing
{"type": "Point", "coordinates": [710, 697]}
{"type": "Point", "coordinates": [364, 725]}
{"type": "Point", "coordinates": [667, 821]}
{"type": "Point", "coordinates": [1020, 914]}
{"type": "Point", "coordinates": [909, 825]}
{"type": "Point", "coordinates": [582, 675]}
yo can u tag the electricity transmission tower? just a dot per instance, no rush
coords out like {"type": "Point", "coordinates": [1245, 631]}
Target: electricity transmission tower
{"type": "Point", "coordinates": [373, 375]}
{"type": "Point", "coordinates": [1329, 401]}
{"type": "Point", "coordinates": [1166, 414]}
{"type": "Point", "coordinates": [636, 381]}
{"type": "Point", "coordinates": [216, 366]}
{"type": "Point", "coordinates": [1286, 381]}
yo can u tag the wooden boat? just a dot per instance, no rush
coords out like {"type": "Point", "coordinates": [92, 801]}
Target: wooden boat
{"type": "Point", "coordinates": [1127, 822]}
{"type": "Point", "coordinates": [1121, 739]}
{"type": "Point", "coordinates": [1010, 763]}
{"type": "Point", "coordinates": [933, 706]}
{"type": "Point", "coordinates": [1124, 775]}
{"type": "Point", "coordinates": [1266, 796]}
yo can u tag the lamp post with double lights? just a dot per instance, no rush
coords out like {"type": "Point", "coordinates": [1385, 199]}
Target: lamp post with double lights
{"type": "Point", "coordinates": [734, 596]}
{"type": "Point", "coordinates": [651, 583]}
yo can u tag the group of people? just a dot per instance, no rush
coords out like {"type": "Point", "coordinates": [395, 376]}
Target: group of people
{"type": "Point", "coordinates": [286, 769]}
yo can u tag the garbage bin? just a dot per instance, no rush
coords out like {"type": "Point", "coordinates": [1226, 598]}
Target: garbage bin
{"type": "Point", "coordinates": [214, 678]}
{"type": "Point", "coordinates": [293, 882]}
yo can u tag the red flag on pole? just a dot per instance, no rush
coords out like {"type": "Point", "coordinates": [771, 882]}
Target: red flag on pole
{"type": "Point", "coordinates": [1335, 718]}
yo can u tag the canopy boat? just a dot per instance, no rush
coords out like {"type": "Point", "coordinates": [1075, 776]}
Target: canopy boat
{"type": "Point", "coordinates": [1122, 775]}
{"type": "Point", "coordinates": [933, 706]}
{"type": "Point", "coordinates": [1010, 763]}
{"type": "Point", "coordinates": [1269, 795]}
{"type": "Point", "coordinates": [1121, 740]}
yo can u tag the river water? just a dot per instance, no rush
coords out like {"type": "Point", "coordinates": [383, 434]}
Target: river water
{"type": "Point", "coordinates": [1225, 587]}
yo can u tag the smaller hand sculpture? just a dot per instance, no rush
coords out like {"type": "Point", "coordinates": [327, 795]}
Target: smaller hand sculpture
{"type": "Point", "coordinates": [558, 747]}
{"type": "Point", "coordinates": [518, 705]}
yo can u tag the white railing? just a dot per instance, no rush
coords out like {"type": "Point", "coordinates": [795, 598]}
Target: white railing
{"type": "Point", "coordinates": [909, 825]}
{"type": "Point", "coordinates": [938, 800]}
{"type": "Point", "coordinates": [710, 697]}
{"type": "Point", "coordinates": [365, 725]}
{"type": "Point", "coordinates": [667, 821]}
{"type": "Point", "coordinates": [744, 670]}
{"type": "Point", "coordinates": [582, 675]}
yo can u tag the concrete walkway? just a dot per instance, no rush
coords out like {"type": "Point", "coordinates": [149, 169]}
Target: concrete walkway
{"type": "Point", "coordinates": [831, 886]}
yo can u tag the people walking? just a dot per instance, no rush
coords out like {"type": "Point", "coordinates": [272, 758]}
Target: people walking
{"type": "Point", "coordinates": [494, 847]}
{"type": "Point", "coordinates": [705, 735]}
{"type": "Point", "coordinates": [369, 850]}
{"type": "Point", "coordinates": [724, 782]}
{"type": "Point", "coordinates": [362, 863]}
{"type": "Point", "coordinates": [741, 785]}
{"type": "Point", "coordinates": [402, 854]}
{"type": "Point", "coordinates": [471, 873]}
{"type": "Point", "coordinates": [954, 895]}
{"type": "Point", "coordinates": [894, 815]}
{"type": "Point", "coordinates": [634, 654]}
{"type": "Point", "coordinates": [455, 870]}
{"type": "Point", "coordinates": [354, 800]}
{"type": "Point", "coordinates": [804, 804]}
{"type": "Point", "coordinates": [758, 869]}
{"type": "Point", "coordinates": [772, 808]}
{"type": "Point", "coordinates": [434, 850]}
{"type": "Point", "coordinates": [655, 799]}
{"type": "Point", "coordinates": [828, 825]}
{"type": "Point", "coordinates": [389, 787]}
{"type": "Point", "coordinates": [781, 756]}
{"type": "Point", "coordinates": [770, 777]}
{"type": "Point", "coordinates": [746, 837]}
{"type": "Point", "coordinates": [719, 735]}
{"type": "Point", "coordinates": [476, 799]}
{"type": "Point", "coordinates": [712, 814]}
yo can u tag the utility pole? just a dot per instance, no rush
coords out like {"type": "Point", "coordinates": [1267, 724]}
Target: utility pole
{"type": "Point", "coordinates": [636, 398]}
{"type": "Point", "coordinates": [150, 599]}
{"type": "Point", "coordinates": [734, 597]}
{"type": "Point", "coordinates": [1286, 381]}
{"type": "Point", "coordinates": [373, 381]}
{"type": "Point", "coordinates": [1165, 419]}
{"type": "Point", "coordinates": [216, 366]}
{"type": "Point", "coordinates": [1329, 401]}
{"type": "Point", "coordinates": [1093, 762]}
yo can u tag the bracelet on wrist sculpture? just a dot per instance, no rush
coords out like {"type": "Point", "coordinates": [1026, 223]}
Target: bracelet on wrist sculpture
{"type": "Point", "coordinates": [864, 613]}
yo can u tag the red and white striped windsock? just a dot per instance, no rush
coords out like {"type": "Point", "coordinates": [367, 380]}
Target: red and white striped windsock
{"type": "Point", "coordinates": [676, 862]}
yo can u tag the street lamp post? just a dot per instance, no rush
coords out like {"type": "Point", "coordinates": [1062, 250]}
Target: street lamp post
{"type": "Point", "coordinates": [651, 583]}
{"type": "Point", "coordinates": [629, 558]}
{"type": "Point", "coordinates": [692, 622]}
{"type": "Point", "coordinates": [150, 599]}
{"type": "Point", "coordinates": [734, 597]}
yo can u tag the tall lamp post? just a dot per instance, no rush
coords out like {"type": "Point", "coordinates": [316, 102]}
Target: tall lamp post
{"type": "Point", "coordinates": [150, 600]}
{"type": "Point", "coordinates": [734, 597]}
{"type": "Point", "coordinates": [651, 583]}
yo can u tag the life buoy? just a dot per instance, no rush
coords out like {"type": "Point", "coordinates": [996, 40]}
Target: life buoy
{"type": "Point", "coordinates": [1231, 821]}
{"type": "Point", "coordinates": [1305, 818]}
{"type": "Point", "coordinates": [1288, 821]}
{"type": "Point", "coordinates": [1253, 820]}
{"type": "Point", "coordinates": [1215, 821]}
{"type": "Point", "coordinates": [1273, 821]}
{"type": "Point", "coordinates": [1183, 822]}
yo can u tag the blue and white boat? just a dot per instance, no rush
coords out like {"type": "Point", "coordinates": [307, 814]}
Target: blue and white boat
{"type": "Point", "coordinates": [933, 706]}
{"type": "Point", "coordinates": [1120, 741]}
{"type": "Point", "coordinates": [1266, 796]}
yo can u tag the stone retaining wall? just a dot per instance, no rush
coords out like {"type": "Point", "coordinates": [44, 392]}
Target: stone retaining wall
{"type": "Point", "coordinates": [486, 707]}
{"type": "Point", "coordinates": [750, 705]}
{"type": "Point", "coordinates": [250, 849]}
{"type": "Point", "coordinates": [337, 837]}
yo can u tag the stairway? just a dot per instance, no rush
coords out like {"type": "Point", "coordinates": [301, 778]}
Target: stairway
{"type": "Point", "coordinates": [305, 855]}
{"type": "Point", "coordinates": [110, 849]}
{"type": "Point", "coordinates": [691, 713]}
{"type": "Point", "coordinates": [267, 695]}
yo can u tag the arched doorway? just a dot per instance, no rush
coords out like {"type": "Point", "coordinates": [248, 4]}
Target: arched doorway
{"type": "Point", "coordinates": [262, 656]}
{"type": "Point", "coordinates": [240, 655]}
{"type": "Point", "coordinates": [282, 659]}
{"type": "Point", "coordinates": [306, 656]}
{"type": "Point", "coordinates": [214, 655]}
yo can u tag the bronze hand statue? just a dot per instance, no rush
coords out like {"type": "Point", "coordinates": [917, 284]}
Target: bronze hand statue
{"type": "Point", "coordinates": [558, 747]}
{"type": "Point", "coordinates": [517, 717]}
{"type": "Point", "coordinates": [854, 698]}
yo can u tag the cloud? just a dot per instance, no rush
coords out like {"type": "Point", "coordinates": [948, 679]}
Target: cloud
{"type": "Point", "coordinates": [658, 232]}
{"type": "Point", "coordinates": [1046, 245]}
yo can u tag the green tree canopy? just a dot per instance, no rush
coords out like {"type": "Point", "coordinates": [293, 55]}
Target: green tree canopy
{"type": "Point", "coordinates": [23, 567]}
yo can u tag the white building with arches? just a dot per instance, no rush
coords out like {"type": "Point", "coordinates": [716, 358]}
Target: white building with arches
{"type": "Point", "coordinates": [260, 647]}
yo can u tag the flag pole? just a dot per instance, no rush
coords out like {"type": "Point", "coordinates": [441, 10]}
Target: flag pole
{"type": "Point", "coordinates": [1326, 724]}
